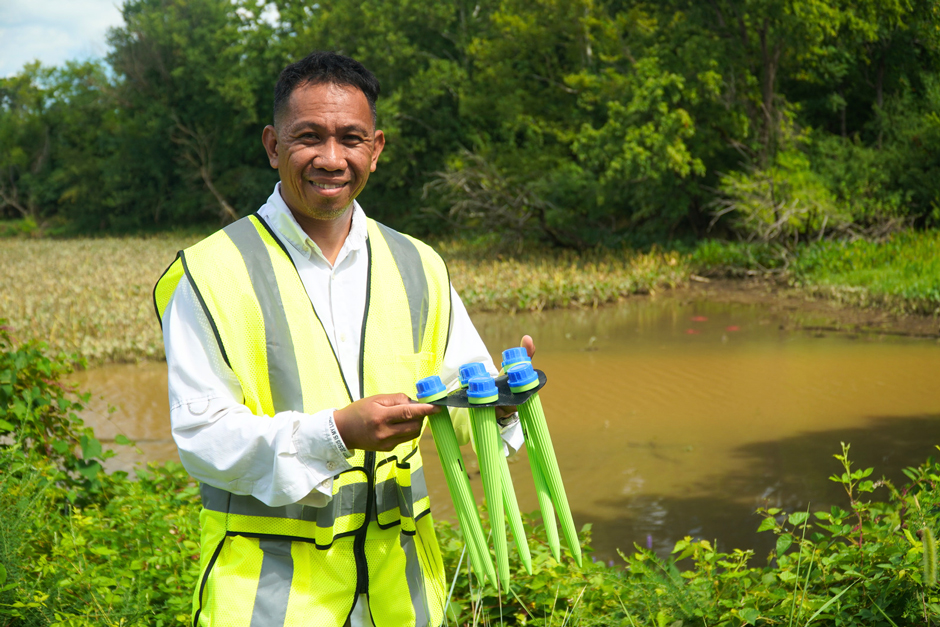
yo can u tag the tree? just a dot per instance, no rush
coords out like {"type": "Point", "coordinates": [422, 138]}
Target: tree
{"type": "Point", "coordinates": [188, 87]}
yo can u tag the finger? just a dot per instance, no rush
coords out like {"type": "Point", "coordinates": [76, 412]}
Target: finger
{"type": "Point", "coordinates": [529, 345]}
{"type": "Point", "coordinates": [402, 432]}
{"type": "Point", "coordinates": [419, 410]}
{"type": "Point", "coordinates": [413, 412]}
{"type": "Point", "coordinates": [392, 400]}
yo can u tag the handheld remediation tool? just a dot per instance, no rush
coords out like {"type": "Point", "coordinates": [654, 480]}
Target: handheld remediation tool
{"type": "Point", "coordinates": [481, 394]}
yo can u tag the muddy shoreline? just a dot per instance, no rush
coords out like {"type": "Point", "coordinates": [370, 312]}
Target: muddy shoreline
{"type": "Point", "coordinates": [804, 311]}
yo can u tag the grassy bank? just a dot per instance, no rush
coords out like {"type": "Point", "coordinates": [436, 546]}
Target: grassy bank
{"type": "Point", "coordinates": [80, 548]}
{"type": "Point", "coordinates": [900, 273]}
{"type": "Point", "coordinates": [92, 296]}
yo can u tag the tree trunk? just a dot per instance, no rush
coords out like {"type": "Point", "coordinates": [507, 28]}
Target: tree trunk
{"type": "Point", "coordinates": [845, 106]}
{"type": "Point", "coordinates": [770, 58]}
{"type": "Point", "coordinates": [228, 214]}
{"type": "Point", "coordinates": [880, 96]}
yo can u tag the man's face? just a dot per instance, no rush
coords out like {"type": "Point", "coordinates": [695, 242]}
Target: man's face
{"type": "Point", "coordinates": [324, 147]}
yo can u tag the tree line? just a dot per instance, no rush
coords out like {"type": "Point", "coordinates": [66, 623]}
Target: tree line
{"type": "Point", "coordinates": [576, 122]}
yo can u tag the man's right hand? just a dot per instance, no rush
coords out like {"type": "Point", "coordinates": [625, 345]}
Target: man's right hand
{"type": "Point", "coordinates": [381, 422]}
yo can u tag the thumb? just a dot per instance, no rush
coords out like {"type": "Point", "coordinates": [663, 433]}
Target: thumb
{"type": "Point", "coordinates": [528, 345]}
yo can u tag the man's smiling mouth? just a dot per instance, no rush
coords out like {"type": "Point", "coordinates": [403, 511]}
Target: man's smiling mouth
{"type": "Point", "coordinates": [328, 185]}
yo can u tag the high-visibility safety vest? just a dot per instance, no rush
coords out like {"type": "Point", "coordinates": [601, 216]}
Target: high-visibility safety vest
{"type": "Point", "coordinates": [299, 565]}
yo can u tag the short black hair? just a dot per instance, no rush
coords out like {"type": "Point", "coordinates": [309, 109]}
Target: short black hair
{"type": "Point", "coordinates": [320, 67]}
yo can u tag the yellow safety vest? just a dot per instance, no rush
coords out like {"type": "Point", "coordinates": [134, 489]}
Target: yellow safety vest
{"type": "Point", "coordinates": [300, 565]}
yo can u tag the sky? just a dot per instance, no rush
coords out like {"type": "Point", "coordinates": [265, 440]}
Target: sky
{"type": "Point", "coordinates": [53, 31]}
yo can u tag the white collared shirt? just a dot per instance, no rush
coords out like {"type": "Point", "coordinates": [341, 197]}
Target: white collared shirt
{"type": "Point", "coordinates": [291, 457]}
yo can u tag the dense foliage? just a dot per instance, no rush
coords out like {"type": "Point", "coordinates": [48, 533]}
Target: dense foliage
{"type": "Point", "coordinates": [579, 121]}
{"type": "Point", "coordinates": [80, 547]}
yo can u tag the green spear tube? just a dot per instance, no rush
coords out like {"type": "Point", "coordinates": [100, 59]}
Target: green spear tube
{"type": "Point", "coordinates": [545, 504]}
{"type": "Point", "coordinates": [459, 485]}
{"type": "Point", "coordinates": [515, 518]}
{"type": "Point", "coordinates": [529, 379]}
{"type": "Point", "coordinates": [534, 418]}
{"type": "Point", "coordinates": [489, 452]}
{"type": "Point", "coordinates": [523, 378]}
{"type": "Point", "coordinates": [431, 389]}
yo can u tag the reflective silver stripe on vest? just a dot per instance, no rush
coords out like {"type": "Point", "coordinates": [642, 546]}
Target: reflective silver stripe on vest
{"type": "Point", "coordinates": [277, 572]}
{"type": "Point", "coordinates": [283, 374]}
{"type": "Point", "coordinates": [419, 596]}
{"type": "Point", "coordinates": [351, 499]}
{"type": "Point", "coordinates": [411, 269]}
{"type": "Point", "coordinates": [387, 494]}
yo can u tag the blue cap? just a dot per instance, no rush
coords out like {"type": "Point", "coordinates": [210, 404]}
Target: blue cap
{"type": "Point", "coordinates": [430, 386]}
{"type": "Point", "coordinates": [482, 387]}
{"type": "Point", "coordinates": [521, 374]}
{"type": "Point", "coordinates": [514, 356]}
{"type": "Point", "coordinates": [468, 371]}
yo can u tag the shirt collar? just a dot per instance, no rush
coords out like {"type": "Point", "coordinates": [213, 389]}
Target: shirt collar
{"type": "Point", "coordinates": [277, 214]}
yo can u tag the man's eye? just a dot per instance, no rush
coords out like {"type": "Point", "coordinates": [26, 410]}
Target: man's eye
{"type": "Point", "coordinates": [353, 139]}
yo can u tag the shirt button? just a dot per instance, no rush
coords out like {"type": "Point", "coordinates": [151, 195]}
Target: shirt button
{"type": "Point", "coordinates": [342, 337]}
{"type": "Point", "coordinates": [331, 466]}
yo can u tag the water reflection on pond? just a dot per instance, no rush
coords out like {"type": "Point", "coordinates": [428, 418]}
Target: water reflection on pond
{"type": "Point", "coordinates": [671, 418]}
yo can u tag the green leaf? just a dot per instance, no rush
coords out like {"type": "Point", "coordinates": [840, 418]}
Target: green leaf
{"type": "Point", "coordinates": [783, 543]}
{"type": "Point", "coordinates": [767, 524]}
{"type": "Point", "coordinates": [122, 439]}
{"type": "Point", "coordinates": [798, 518]}
{"type": "Point", "coordinates": [3, 574]}
{"type": "Point", "coordinates": [5, 426]}
{"type": "Point", "coordinates": [91, 470]}
{"type": "Point", "coordinates": [91, 447]}
{"type": "Point", "coordinates": [749, 615]}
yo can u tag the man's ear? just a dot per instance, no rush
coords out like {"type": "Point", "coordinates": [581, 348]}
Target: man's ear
{"type": "Point", "coordinates": [378, 143]}
{"type": "Point", "coordinates": [269, 139]}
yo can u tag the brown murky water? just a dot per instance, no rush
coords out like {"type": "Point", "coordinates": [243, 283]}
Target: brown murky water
{"type": "Point", "coordinates": [669, 418]}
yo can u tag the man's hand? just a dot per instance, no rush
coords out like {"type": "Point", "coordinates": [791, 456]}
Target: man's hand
{"type": "Point", "coordinates": [381, 422]}
{"type": "Point", "coordinates": [529, 345]}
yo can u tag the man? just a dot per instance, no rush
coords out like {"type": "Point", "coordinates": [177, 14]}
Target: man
{"type": "Point", "coordinates": [294, 417]}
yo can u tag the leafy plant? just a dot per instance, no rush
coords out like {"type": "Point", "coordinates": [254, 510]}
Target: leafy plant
{"type": "Point", "coordinates": [38, 413]}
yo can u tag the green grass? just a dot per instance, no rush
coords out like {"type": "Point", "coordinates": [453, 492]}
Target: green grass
{"type": "Point", "coordinates": [89, 297]}
{"type": "Point", "coordinates": [92, 297]}
{"type": "Point", "coordinates": [902, 272]}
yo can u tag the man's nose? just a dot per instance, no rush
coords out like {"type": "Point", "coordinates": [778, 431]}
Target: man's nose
{"type": "Point", "coordinates": [330, 156]}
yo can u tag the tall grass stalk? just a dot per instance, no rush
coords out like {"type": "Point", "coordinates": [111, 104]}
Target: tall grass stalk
{"type": "Point", "coordinates": [826, 605]}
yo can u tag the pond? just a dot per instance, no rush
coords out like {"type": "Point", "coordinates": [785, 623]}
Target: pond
{"type": "Point", "coordinates": [670, 417]}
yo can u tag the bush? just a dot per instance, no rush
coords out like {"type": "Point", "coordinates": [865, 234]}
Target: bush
{"type": "Point", "coordinates": [785, 203]}
{"type": "Point", "coordinates": [80, 548]}
{"type": "Point", "coordinates": [38, 414]}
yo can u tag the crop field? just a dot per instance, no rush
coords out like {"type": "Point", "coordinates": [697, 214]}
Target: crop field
{"type": "Point", "coordinates": [89, 297]}
{"type": "Point", "coordinates": [92, 297]}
